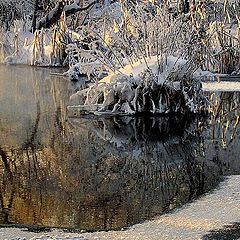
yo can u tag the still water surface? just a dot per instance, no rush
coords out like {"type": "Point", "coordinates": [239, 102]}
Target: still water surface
{"type": "Point", "coordinates": [102, 174]}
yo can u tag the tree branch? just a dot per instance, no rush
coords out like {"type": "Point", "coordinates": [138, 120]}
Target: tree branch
{"type": "Point", "coordinates": [74, 8]}
{"type": "Point", "coordinates": [54, 15]}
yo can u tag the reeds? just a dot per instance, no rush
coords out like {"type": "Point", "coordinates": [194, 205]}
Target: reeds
{"type": "Point", "coordinates": [219, 37]}
{"type": "Point", "coordinates": [208, 36]}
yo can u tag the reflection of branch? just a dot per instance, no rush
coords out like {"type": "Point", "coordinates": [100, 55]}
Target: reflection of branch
{"type": "Point", "coordinates": [5, 210]}
{"type": "Point", "coordinates": [225, 96]}
{"type": "Point", "coordinates": [4, 157]}
{"type": "Point", "coordinates": [35, 129]}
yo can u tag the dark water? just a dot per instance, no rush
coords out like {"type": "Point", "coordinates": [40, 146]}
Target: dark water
{"type": "Point", "coordinates": [102, 174]}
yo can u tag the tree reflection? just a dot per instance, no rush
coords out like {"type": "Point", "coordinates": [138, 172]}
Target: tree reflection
{"type": "Point", "coordinates": [7, 188]}
{"type": "Point", "coordinates": [110, 173]}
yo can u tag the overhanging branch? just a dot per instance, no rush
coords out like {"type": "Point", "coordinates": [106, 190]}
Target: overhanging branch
{"type": "Point", "coordinates": [54, 15]}
{"type": "Point", "coordinates": [74, 8]}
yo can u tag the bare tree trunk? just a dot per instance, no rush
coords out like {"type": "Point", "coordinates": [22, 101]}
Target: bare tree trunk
{"type": "Point", "coordinates": [34, 19]}
{"type": "Point", "coordinates": [183, 6]}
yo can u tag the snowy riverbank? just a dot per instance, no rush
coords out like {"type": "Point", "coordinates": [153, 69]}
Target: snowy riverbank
{"type": "Point", "coordinates": [227, 86]}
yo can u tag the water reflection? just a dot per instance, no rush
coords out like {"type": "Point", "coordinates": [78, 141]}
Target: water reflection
{"type": "Point", "coordinates": [101, 174]}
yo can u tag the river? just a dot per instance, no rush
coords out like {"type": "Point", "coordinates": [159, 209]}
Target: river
{"type": "Point", "coordinates": [98, 174]}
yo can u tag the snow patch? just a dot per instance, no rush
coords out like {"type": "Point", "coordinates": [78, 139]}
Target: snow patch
{"type": "Point", "coordinates": [148, 85]}
{"type": "Point", "coordinates": [221, 86]}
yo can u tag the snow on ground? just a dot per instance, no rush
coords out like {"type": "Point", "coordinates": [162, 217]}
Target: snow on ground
{"type": "Point", "coordinates": [152, 63]}
{"type": "Point", "coordinates": [221, 86]}
{"type": "Point", "coordinates": [26, 52]}
{"type": "Point", "coordinates": [192, 221]}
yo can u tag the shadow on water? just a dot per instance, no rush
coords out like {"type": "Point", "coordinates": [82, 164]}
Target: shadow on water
{"type": "Point", "coordinates": [104, 173]}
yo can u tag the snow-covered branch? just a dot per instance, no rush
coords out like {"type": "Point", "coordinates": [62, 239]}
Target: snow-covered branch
{"type": "Point", "coordinates": [74, 8]}
{"type": "Point", "coordinates": [54, 15]}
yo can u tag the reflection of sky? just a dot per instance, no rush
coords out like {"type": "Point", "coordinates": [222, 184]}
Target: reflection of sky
{"type": "Point", "coordinates": [16, 91]}
{"type": "Point", "coordinates": [21, 89]}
